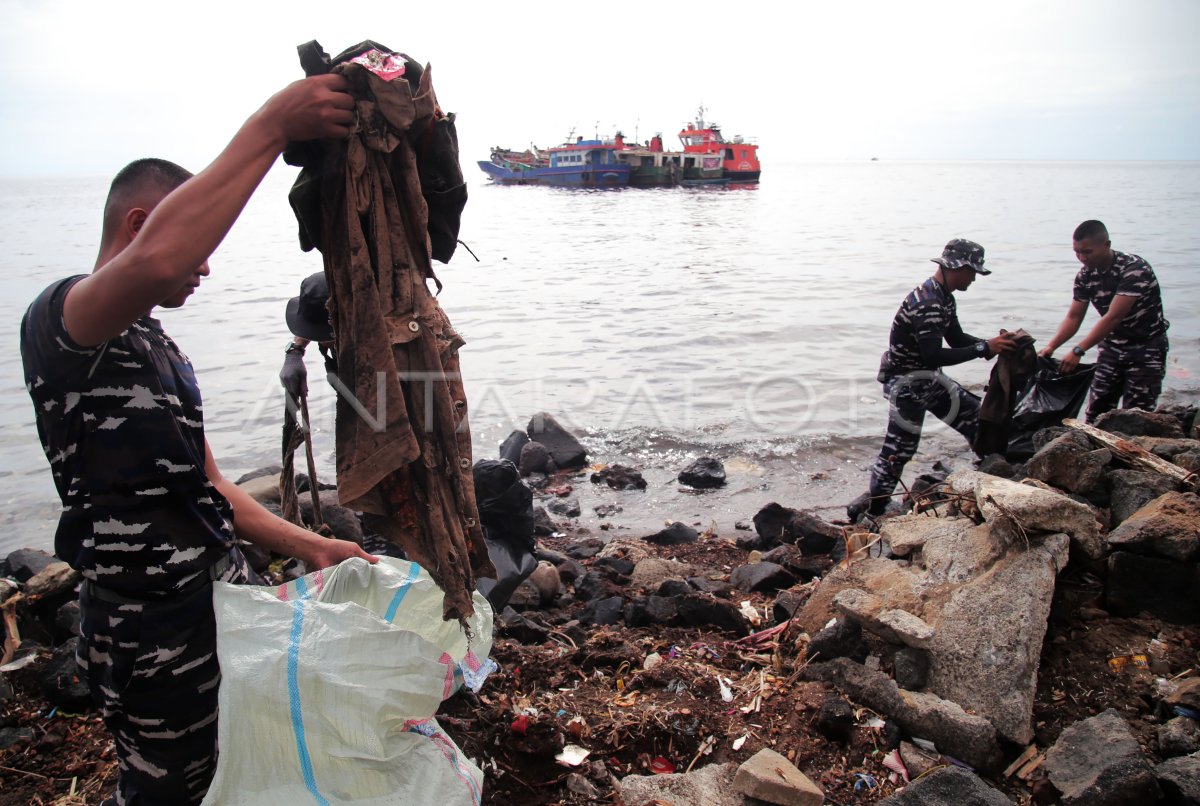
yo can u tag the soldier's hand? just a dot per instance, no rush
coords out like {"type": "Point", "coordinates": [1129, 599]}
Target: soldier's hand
{"type": "Point", "coordinates": [331, 551]}
{"type": "Point", "coordinates": [294, 375]}
{"type": "Point", "coordinates": [1069, 364]}
{"type": "Point", "coordinates": [1002, 344]}
{"type": "Point", "coordinates": [311, 108]}
{"type": "Point", "coordinates": [1046, 352]}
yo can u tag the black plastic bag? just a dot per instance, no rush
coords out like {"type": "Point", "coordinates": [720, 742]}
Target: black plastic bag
{"type": "Point", "coordinates": [1049, 398]}
{"type": "Point", "coordinates": [506, 515]}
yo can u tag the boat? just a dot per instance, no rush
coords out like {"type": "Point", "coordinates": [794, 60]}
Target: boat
{"type": "Point", "coordinates": [739, 158]}
{"type": "Point", "coordinates": [654, 167]}
{"type": "Point", "coordinates": [584, 163]}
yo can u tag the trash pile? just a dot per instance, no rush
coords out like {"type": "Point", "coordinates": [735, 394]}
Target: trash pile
{"type": "Point", "coordinates": [1028, 634]}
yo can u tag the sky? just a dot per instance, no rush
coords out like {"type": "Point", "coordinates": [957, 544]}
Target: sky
{"type": "Point", "coordinates": [85, 87]}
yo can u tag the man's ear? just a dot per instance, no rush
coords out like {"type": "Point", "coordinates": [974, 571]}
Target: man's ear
{"type": "Point", "coordinates": [135, 219]}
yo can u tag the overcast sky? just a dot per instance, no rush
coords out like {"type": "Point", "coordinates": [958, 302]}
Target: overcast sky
{"type": "Point", "coordinates": [87, 86]}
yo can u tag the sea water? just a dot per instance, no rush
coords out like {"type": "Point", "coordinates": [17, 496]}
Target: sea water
{"type": "Point", "coordinates": [741, 322]}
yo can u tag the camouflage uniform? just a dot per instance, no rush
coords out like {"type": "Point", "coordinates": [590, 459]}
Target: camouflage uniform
{"type": "Point", "coordinates": [122, 427]}
{"type": "Point", "coordinates": [1133, 358]}
{"type": "Point", "coordinates": [913, 387]}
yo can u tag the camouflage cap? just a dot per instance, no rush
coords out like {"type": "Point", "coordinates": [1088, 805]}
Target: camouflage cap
{"type": "Point", "coordinates": [962, 254]}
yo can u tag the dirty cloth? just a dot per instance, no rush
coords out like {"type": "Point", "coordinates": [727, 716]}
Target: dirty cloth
{"type": "Point", "coordinates": [402, 441]}
{"type": "Point", "coordinates": [1009, 377]}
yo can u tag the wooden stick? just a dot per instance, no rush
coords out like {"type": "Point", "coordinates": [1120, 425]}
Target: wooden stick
{"type": "Point", "coordinates": [312, 465]}
{"type": "Point", "coordinates": [1134, 454]}
{"type": "Point", "coordinates": [12, 637]}
{"type": "Point", "coordinates": [1020, 760]}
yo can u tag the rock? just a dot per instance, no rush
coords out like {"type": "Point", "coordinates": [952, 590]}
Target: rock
{"type": "Point", "coordinates": [55, 579]}
{"type": "Point", "coordinates": [8, 589]}
{"type": "Point", "coordinates": [603, 612]}
{"type": "Point", "coordinates": [841, 640]}
{"type": "Point", "coordinates": [674, 587]}
{"type": "Point", "coordinates": [1178, 737]}
{"type": "Point", "coordinates": [543, 524]}
{"type": "Point", "coordinates": [514, 625]}
{"type": "Point", "coordinates": [892, 625]}
{"type": "Point", "coordinates": [627, 549]}
{"type": "Point", "coordinates": [674, 535]}
{"type": "Point", "coordinates": [1168, 526]}
{"type": "Point", "coordinates": [591, 586]}
{"type": "Point", "coordinates": [987, 649]}
{"type": "Point", "coordinates": [617, 569]}
{"type": "Point", "coordinates": [64, 684]}
{"type": "Point", "coordinates": [1070, 463]}
{"type": "Point", "coordinates": [770, 777]}
{"type": "Point", "coordinates": [911, 668]}
{"type": "Point", "coordinates": [24, 564]}
{"type": "Point", "coordinates": [66, 619]}
{"type": "Point", "coordinates": [570, 570]}
{"type": "Point", "coordinates": [917, 761]}
{"type": "Point", "coordinates": [1133, 489]}
{"type": "Point", "coordinates": [964, 736]}
{"type": "Point", "coordinates": [1185, 413]}
{"type": "Point", "coordinates": [607, 510]}
{"type": "Point", "coordinates": [906, 533]}
{"type": "Point", "coordinates": [769, 523]}
{"type": "Point", "coordinates": [787, 603]}
{"type": "Point", "coordinates": [765, 577]}
{"type": "Point", "coordinates": [1098, 761]}
{"type": "Point", "coordinates": [704, 610]}
{"type": "Point", "coordinates": [15, 737]}
{"type": "Point", "coordinates": [1139, 423]}
{"type": "Point", "coordinates": [510, 448]}
{"type": "Point", "coordinates": [546, 580]}
{"type": "Point", "coordinates": [262, 489]}
{"type": "Point", "coordinates": [649, 610]}
{"type": "Point", "coordinates": [534, 458]}
{"type": "Point", "coordinates": [269, 470]}
{"type": "Point", "coordinates": [835, 719]}
{"type": "Point", "coordinates": [652, 572]}
{"type": "Point", "coordinates": [805, 568]}
{"type": "Point", "coordinates": [1187, 694]}
{"type": "Point", "coordinates": [996, 465]}
{"type": "Point", "coordinates": [1034, 508]}
{"type": "Point", "coordinates": [1179, 779]}
{"type": "Point", "coordinates": [341, 521]}
{"type": "Point", "coordinates": [704, 473]}
{"type": "Point", "coordinates": [948, 786]}
{"type": "Point", "coordinates": [711, 786]}
{"type": "Point", "coordinates": [567, 507]}
{"type": "Point", "coordinates": [525, 597]}
{"type": "Point", "coordinates": [1163, 588]}
{"type": "Point", "coordinates": [620, 477]}
{"type": "Point", "coordinates": [1188, 460]}
{"type": "Point", "coordinates": [565, 449]}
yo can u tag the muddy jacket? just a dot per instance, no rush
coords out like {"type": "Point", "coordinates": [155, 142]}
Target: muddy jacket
{"type": "Point", "coordinates": [403, 445]}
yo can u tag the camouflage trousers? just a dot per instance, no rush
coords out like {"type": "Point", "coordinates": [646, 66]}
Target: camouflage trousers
{"type": "Point", "coordinates": [1130, 375]}
{"type": "Point", "coordinates": [910, 396]}
{"type": "Point", "coordinates": [152, 668]}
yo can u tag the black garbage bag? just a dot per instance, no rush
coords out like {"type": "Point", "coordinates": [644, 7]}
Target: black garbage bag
{"type": "Point", "coordinates": [506, 515]}
{"type": "Point", "coordinates": [1047, 399]}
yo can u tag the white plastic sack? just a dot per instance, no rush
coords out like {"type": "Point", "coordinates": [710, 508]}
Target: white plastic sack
{"type": "Point", "coordinates": [330, 683]}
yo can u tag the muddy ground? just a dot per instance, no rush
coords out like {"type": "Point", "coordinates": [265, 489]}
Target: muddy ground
{"type": "Point", "coordinates": [588, 687]}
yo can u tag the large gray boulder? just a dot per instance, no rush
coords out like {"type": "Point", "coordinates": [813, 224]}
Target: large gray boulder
{"type": "Point", "coordinates": [948, 786]}
{"type": "Point", "coordinates": [711, 786]}
{"type": "Point", "coordinates": [1070, 463]}
{"type": "Point", "coordinates": [986, 651]}
{"type": "Point", "coordinates": [1140, 423]}
{"type": "Point", "coordinates": [565, 449]}
{"type": "Point", "coordinates": [905, 534]}
{"type": "Point", "coordinates": [1168, 526]}
{"type": "Point", "coordinates": [1097, 762]}
{"type": "Point", "coordinates": [1179, 779]}
{"type": "Point", "coordinates": [1133, 489]}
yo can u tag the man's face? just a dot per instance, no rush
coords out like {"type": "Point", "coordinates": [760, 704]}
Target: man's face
{"type": "Point", "coordinates": [177, 299]}
{"type": "Point", "coordinates": [1095, 253]}
{"type": "Point", "coordinates": [960, 279]}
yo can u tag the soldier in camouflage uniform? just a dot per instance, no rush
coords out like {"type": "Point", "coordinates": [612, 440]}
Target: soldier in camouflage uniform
{"type": "Point", "coordinates": [148, 519]}
{"type": "Point", "coordinates": [1132, 332]}
{"type": "Point", "coordinates": [910, 370]}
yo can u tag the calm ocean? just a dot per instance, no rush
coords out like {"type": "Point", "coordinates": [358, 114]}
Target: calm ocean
{"type": "Point", "coordinates": [661, 324]}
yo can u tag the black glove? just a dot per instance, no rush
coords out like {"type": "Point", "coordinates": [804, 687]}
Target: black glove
{"type": "Point", "coordinates": [294, 376]}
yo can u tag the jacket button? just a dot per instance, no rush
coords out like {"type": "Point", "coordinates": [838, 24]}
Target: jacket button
{"type": "Point", "coordinates": [464, 463]}
{"type": "Point", "coordinates": [414, 326]}
{"type": "Point", "coordinates": [470, 523]}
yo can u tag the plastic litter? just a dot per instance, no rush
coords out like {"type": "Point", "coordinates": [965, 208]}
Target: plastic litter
{"type": "Point", "coordinates": [726, 693]}
{"type": "Point", "coordinates": [572, 755]}
{"type": "Point", "coordinates": [865, 781]}
{"type": "Point", "coordinates": [739, 741]}
{"type": "Point", "coordinates": [660, 766]}
{"type": "Point", "coordinates": [894, 763]}
{"type": "Point", "coordinates": [330, 685]}
{"type": "Point", "coordinates": [652, 660]}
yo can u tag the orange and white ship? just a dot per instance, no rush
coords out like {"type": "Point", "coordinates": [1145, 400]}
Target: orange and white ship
{"type": "Point", "coordinates": [739, 158]}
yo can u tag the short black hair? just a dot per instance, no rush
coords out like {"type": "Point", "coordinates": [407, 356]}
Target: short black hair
{"type": "Point", "coordinates": [1091, 229]}
{"type": "Point", "coordinates": [140, 175]}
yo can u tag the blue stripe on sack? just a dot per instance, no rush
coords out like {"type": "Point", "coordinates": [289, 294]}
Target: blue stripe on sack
{"type": "Point", "coordinates": [413, 571]}
{"type": "Point", "coordinates": [294, 692]}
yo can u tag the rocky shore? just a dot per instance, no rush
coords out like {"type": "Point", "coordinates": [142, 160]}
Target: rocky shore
{"type": "Point", "coordinates": [1015, 633]}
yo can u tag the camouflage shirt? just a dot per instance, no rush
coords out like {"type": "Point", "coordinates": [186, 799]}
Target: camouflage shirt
{"type": "Point", "coordinates": [122, 426]}
{"type": "Point", "coordinates": [1129, 276]}
{"type": "Point", "coordinates": [929, 311]}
